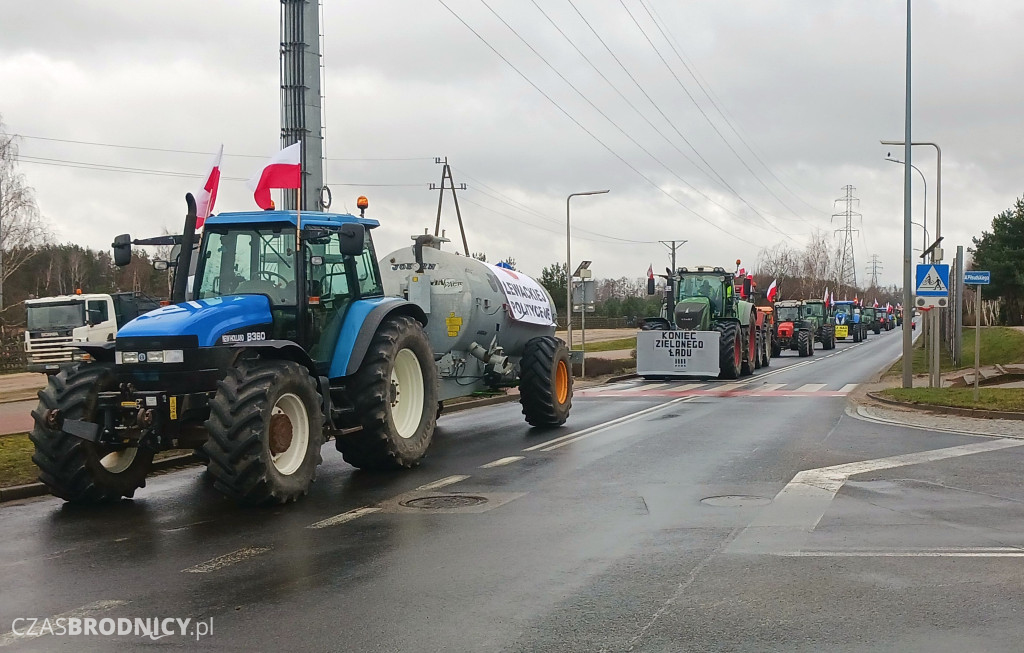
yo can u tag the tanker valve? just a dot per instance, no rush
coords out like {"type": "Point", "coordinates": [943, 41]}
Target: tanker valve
{"type": "Point", "coordinates": [496, 357]}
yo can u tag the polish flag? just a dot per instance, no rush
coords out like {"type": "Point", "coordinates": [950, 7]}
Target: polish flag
{"type": "Point", "coordinates": [773, 290]}
{"type": "Point", "coordinates": [825, 297]}
{"type": "Point", "coordinates": [206, 197]}
{"type": "Point", "coordinates": [650, 271]}
{"type": "Point", "coordinates": [876, 302]}
{"type": "Point", "coordinates": [284, 170]}
{"type": "Point", "coordinates": [831, 298]}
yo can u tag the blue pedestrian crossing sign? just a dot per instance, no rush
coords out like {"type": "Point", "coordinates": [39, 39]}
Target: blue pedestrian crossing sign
{"type": "Point", "coordinates": [932, 280]}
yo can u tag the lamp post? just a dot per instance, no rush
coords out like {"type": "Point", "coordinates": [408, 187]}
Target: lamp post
{"type": "Point", "coordinates": [568, 264]}
{"type": "Point", "coordinates": [924, 213]}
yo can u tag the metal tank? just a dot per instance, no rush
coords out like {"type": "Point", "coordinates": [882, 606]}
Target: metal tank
{"type": "Point", "coordinates": [472, 326]}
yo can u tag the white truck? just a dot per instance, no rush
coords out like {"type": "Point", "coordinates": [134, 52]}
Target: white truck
{"type": "Point", "coordinates": [53, 324]}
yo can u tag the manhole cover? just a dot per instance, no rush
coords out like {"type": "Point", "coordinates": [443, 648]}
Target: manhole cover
{"type": "Point", "coordinates": [444, 502]}
{"type": "Point", "coordinates": [736, 501]}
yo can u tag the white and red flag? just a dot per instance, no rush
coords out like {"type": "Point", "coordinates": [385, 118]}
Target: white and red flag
{"type": "Point", "coordinates": [825, 297]}
{"type": "Point", "coordinates": [773, 290]}
{"type": "Point", "coordinates": [206, 196]}
{"type": "Point", "coordinates": [831, 299]}
{"type": "Point", "coordinates": [876, 302]}
{"type": "Point", "coordinates": [650, 271]}
{"type": "Point", "coordinates": [284, 170]}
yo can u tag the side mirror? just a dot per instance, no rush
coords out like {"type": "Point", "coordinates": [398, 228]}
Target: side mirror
{"type": "Point", "coordinates": [353, 238]}
{"type": "Point", "coordinates": [746, 287]}
{"type": "Point", "coordinates": [650, 285]}
{"type": "Point", "coordinates": [122, 250]}
{"type": "Point", "coordinates": [159, 265]}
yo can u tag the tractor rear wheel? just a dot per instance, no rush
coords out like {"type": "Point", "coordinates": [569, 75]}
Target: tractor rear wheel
{"type": "Point", "coordinates": [74, 469]}
{"type": "Point", "coordinates": [730, 350]}
{"type": "Point", "coordinates": [766, 354]}
{"type": "Point", "coordinates": [750, 349]}
{"type": "Point", "coordinates": [776, 348]}
{"type": "Point", "coordinates": [266, 429]}
{"type": "Point", "coordinates": [545, 382]}
{"type": "Point", "coordinates": [856, 332]}
{"type": "Point", "coordinates": [394, 393]}
{"type": "Point", "coordinates": [759, 353]}
{"type": "Point", "coordinates": [804, 344]}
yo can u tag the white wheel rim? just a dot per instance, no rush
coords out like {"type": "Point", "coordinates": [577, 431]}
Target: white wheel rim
{"type": "Point", "coordinates": [406, 394]}
{"type": "Point", "coordinates": [117, 462]}
{"type": "Point", "coordinates": [291, 458]}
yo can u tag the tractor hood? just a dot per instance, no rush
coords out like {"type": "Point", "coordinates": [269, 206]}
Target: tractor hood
{"type": "Point", "coordinates": [207, 319]}
{"type": "Point", "coordinates": [693, 314]}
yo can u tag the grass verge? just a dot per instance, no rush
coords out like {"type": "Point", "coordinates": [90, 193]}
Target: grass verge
{"type": "Point", "coordinates": [16, 466]}
{"type": "Point", "coordinates": [999, 346]}
{"type": "Point", "coordinates": [1004, 399]}
{"type": "Point", "coordinates": [611, 345]}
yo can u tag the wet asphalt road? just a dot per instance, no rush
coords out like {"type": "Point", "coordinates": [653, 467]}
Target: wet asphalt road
{"type": "Point", "coordinates": [593, 541]}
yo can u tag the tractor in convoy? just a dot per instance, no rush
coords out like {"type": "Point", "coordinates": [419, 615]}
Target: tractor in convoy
{"type": "Point", "coordinates": [710, 330]}
{"type": "Point", "coordinates": [793, 330]}
{"type": "Point", "coordinates": [848, 322]}
{"type": "Point", "coordinates": [816, 311]}
{"type": "Point", "coordinates": [872, 319]}
{"type": "Point", "coordinates": [293, 333]}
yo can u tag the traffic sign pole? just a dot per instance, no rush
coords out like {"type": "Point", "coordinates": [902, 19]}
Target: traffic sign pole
{"type": "Point", "coordinates": [977, 340]}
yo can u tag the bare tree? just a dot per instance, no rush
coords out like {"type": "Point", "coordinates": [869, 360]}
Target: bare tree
{"type": "Point", "coordinates": [21, 225]}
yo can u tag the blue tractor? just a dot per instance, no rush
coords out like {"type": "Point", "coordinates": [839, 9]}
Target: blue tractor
{"type": "Point", "coordinates": [848, 322]}
{"type": "Point", "coordinates": [284, 338]}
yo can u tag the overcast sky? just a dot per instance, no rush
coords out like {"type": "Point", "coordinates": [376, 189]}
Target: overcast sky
{"type": "Point", "coordinates": [803, 91]}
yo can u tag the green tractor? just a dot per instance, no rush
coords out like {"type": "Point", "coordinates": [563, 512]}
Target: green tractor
{"type": "Point", "coordinates": [703, 301]}
{"type": "Point", "coordinates": [869, 315]}
{"type": "Point", "coordinates": [816, 312]}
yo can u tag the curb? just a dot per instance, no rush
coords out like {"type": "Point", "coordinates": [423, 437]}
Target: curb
{"type": "Point", "coordinates": [978, 413]}
{"type": "Point", "coordinates": [30, 490]}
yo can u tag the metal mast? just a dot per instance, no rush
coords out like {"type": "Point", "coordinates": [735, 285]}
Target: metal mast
{"type": "Point", "coordinates": [847, 266]}
{"type": "Point", "coordinates": [873, 268]}
{"type": "Point", "coordinates": [301, 96]}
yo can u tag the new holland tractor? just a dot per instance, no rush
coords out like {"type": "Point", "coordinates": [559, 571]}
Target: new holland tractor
{"type": "Point", "coordinates": [848, 322]}
{"type": "Point", "coordinates": [793, 330]}
{"type": "Point", "coordinates": [824, 331]}
{"type": "Point", "coordinates": [292, 334]}
{"type": "Point", "coordinates": [712, 331]}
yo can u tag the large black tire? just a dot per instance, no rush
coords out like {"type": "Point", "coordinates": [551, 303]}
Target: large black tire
{"type": "Point", "coordinates": [266, 429]}
{"type": "Point", "coordinates": [394, 434]}
{"type": "Point", "coordinates": [776, 348]}
{"type": "Point", "coordinates": [805, 344]}
{"type": "Point", "coordinates": [730, 350]}
{"type": "Point", "coordinates": [855, 329]}
{"type": "Point", "coordinates": [545, 382]}
{"type": "Point", "coordinates": [749, 349]}
{"type": "Point", "coordinates": [768, 349]}
{"type": "Point", "coordinates": [74, 469]}
{"type": "Point", "coordinates": [759, 352]}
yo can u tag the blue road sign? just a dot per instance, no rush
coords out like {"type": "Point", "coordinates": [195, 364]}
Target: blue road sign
{"type": "Point", "coordinates": [932, 280]}
{"type": "Point", "coordinates": [977, 277]}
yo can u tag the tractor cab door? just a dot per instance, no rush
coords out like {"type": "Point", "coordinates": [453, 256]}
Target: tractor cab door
{"type": "Point", "coordinates": [333, 281]}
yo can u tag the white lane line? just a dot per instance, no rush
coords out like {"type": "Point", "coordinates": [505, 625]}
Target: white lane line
{"type": "Point", "coordinates": [796, 510]}
{"type": "Point", "coordinates": [771, 387]}
{"type": "Point", "coordinates": [9, 637]}
{"type": "Point", "coordinates": [607, 425]}
{"type": "Point", "coordinates": [592, 432]}
{"type": "Point", "coordinates": [344, 517]}
{"type": "Point", "coordinates": [811, 387]}
{"type": "Point", "coordinates": [227, 559]}
{"type": "Point", "coordinates": [980, 552]}
{"type": "Point", "coordinates": [848, 388]}
{"type": "Point", "coordinates": [502, 461]}
{"type": "Point", "coordinates": [443, 482]}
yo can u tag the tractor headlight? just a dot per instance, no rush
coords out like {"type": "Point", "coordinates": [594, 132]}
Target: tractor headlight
{"type": "Point", "coordinates": [173, 356]}
{"type": "Point", "coordinates": [126, 357]}
{"type": "Point", "coordinates": [155, 356]}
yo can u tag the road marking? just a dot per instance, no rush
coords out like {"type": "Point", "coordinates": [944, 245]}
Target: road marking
{"type": "Point", "coordinates": [344, 517]}
{"type": "Point", "coordinates": [979, 552]}
{"type": "Point", "coordinates": [443, 482]}
{"type": "Point", "coordinates": [771, 387]}
{"type": "Point", "coordinates": [784, 525]}
{"type": "Point", "coordinates": [578, 435]}
{"type": "Point", "coordinates": [502, 461]}
{"type": "Point", "coordinates": [811, 387]}
{"type": "Point", "coordinates": [862, 414]}
{"type": "Point", "coordinates": [730, 387]}
{"type": "Point", "coordinates": [9, 637]}
{"type": "Point", "coordinates": [227, 559]}
{"type": "Point", "coordinates": [653, 386]}
{"type": "Point", "coordinates": [848, 388]}
{"type": "Point", "coordinates": [689, 386]}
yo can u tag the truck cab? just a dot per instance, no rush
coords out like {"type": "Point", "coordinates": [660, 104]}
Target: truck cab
{"type": "Point", "coordinates": [53, 324]}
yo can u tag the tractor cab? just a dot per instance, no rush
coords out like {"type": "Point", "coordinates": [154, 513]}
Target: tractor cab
{"type": "Point", "coordinates": [816, 311]}
{"type": "Point", "coordinates": [703, 294]}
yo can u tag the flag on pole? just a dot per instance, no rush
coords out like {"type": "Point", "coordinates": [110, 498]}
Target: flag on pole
{"type": "Point", "coordinates": [876, 302]}
{"type": "Point", "coordinates": [206, 197]}
{"type": "Point", "coordinates": [831, 298]}
{"type": "Point", "coordinates": [773, 290]}
{"type": "Point", "coordinates": [650, 271]}
{"type": "Point", "coordinates": [825, 297]}
{"type": "Point", "coordinates": [284, 170]}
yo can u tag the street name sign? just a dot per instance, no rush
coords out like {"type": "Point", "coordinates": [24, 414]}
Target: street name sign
{"type": "Point", "coordinates": [978, 277]}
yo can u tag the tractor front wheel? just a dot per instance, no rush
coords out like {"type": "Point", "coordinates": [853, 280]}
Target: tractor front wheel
{"type": "Point", "coordinates": [266, 429]}
{"type": "Point", "coordinates": [394, 393]}
{"type": "Point", "coordinates": [545, 384]}
{"type": "Point", "coordinates": [805, 345]}
{"type": "Point", "coordinates": [74, 469]}
{"type": "Point", "coordinates": [730, 350]}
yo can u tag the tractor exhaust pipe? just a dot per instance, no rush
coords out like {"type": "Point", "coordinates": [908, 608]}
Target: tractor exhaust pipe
{"type": "Point", "coordinates": [188, 238]}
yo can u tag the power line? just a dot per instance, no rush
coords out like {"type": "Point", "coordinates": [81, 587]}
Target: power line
{"type": "Point", "coordinates": [587, 131]}
{"type": "Point", "coordinates": [705, 87]}
{"type": "Point", "coordinates": [555, 231]}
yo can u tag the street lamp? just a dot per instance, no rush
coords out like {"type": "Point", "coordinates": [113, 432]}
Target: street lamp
{"type": "Point", "coordinates": [924, 213]}
{"type": "Point", "coordinates": [568, 264]}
